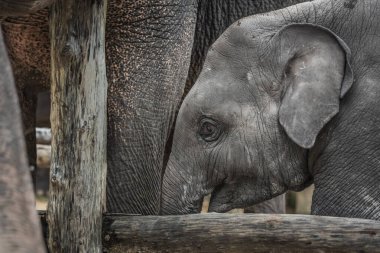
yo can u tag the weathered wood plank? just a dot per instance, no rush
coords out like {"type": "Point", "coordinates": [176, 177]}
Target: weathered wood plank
{"type": "Point", "coordinates": [79, 87]}
{"type": "Point", "coordinates": [239, 233]}
{"type": "Point", "coordinates": [19, 226]}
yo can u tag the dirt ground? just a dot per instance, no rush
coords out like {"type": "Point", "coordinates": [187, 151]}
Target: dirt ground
{"type": "Point", "coordinates": [41, 203]}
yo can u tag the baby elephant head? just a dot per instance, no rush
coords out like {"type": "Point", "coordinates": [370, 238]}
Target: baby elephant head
{"type": "Point", "coordinates": [244, 131]}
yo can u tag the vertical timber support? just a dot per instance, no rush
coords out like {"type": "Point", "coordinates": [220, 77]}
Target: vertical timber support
{"type": "Point", "coordinates": [20, 230]}
{"type": "Point", "coordinates": [78, 115]}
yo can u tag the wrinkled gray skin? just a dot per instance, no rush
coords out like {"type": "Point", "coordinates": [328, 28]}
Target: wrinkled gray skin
{"type": "Point", "coordinates": [276, 108]}
{"type": "Point", "coordinates": [148, 51]}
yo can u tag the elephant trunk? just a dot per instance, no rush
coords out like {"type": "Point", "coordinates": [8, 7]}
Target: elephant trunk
{"type": "Point", "coordinates": [179, 195]}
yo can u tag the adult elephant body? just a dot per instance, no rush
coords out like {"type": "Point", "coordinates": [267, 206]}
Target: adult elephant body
{"type": "Point", "coordinates": [284, 99]}
{"type": "Point", "coordinates": [143, 41]}
{"type": "Point", "coordinates": [148, 51]}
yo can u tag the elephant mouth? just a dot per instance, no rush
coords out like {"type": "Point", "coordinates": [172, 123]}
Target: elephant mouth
{"type": "Point", "coordinates": [221, 200]}
{"type": "Point", "coordinates": [240, 193]}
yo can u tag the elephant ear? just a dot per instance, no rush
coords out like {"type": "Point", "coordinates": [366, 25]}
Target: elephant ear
{"type": "Point", "coordinates": [317, 74]}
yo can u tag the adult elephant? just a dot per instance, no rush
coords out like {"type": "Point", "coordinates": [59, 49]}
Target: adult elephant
{"type": "Point", "coordinates": [148, 50]}
{"type": "Point", "coordinates": [277, 107]}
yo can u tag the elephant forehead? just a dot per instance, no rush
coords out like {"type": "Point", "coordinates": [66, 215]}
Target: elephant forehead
{"type": "Point", "coordinates": [220, 84]}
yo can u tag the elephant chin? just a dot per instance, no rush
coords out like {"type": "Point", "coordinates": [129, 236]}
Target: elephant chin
{"type": "Point", "coordinates": [242, 194]}
{"type": "Point", "coordinates": [222, 199]}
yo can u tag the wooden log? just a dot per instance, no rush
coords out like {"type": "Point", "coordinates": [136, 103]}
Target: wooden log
{"type": "Point", "coordinates": [20, 231]}
{"type": "Point", "coordinates": [239, 233]}
{"type": "Point", "coordinates": [79, 87]}
{"type": "Point", "coordinates": [148, 55]}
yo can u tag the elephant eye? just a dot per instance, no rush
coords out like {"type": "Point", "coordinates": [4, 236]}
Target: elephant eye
{"type": "Point", "coordinates": [209, 130]}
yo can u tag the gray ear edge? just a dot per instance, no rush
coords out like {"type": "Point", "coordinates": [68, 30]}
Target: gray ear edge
{"type": "Point", "coordinates": [348, 78]}
{"type": "Point", "coordinates": [306, 143]}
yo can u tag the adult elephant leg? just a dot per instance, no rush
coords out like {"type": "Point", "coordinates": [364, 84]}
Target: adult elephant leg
{"type": "Point", "coordinates": [148, 46]}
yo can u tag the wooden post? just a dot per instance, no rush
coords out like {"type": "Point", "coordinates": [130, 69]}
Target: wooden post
{"type": "Point", "coordinates": [78, 115]}
{"type": "Point", "coordinates": [20, 231]}
{"type": "Point", "coordinates": [240, 233]}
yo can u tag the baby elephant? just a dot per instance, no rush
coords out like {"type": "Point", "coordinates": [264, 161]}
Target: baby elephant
{"type": "Point", "coordinates": [284, 99]}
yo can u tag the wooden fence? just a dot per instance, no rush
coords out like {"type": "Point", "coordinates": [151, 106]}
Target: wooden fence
{"type": "Point", "coordinates": [237, 233]}
{"type": "Point", "coordinates": [75, 220]}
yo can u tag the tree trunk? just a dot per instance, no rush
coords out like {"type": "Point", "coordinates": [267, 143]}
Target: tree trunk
{"type": "Point", "coordinates": [20, 231]}
{"type": "Point", "coordinates": [240, 233]}
{"type": "Point", "coordinates": [79, 88]}
{"type": "Point", "coordinates": [148, 55]}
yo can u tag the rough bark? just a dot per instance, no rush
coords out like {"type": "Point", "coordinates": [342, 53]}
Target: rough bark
{"type": "Point", "coordinates": [148, 54]}
{"type": "Point", "coordinates": [237, 233]}
{"type": "Point", "coordinates": [19, 228]}
{"type": "Point", "coordinates": [79, 88]}
{"type": "Point", "coordinates": [240, 233]}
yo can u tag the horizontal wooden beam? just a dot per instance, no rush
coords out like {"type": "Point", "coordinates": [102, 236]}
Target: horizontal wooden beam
{"type": "Point", "coordinates": [239, 233]}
